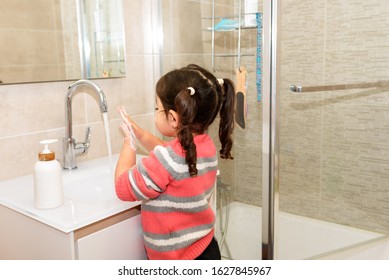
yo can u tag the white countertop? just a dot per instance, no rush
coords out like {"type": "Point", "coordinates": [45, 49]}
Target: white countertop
{"type": "Point", "coordinates": [81, 206]}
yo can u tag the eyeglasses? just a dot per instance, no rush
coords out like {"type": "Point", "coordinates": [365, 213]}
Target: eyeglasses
{"type": "Point", "coordinates": [156, 114]}
{"type": "Point", "coordinates": [158, 111]}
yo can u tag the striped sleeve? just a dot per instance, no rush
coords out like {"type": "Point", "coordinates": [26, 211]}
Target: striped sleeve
{"type": "Point", "coordinates": [146, 180]}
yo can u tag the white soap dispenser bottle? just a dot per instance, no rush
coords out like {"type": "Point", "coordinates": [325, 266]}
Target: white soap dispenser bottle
{"type": "Point", "coordinates": [48, 191]}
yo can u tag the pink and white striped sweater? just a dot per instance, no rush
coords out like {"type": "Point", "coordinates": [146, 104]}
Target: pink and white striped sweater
{"type": "Point", "coordinates": [177, 220]}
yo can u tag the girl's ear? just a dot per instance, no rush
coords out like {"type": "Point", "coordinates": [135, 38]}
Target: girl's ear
{"type": "Point", "coordinates": [173, 119]}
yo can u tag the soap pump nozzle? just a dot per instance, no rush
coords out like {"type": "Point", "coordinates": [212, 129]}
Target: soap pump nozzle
{"type": "Point", "coordinates": [47, 154]}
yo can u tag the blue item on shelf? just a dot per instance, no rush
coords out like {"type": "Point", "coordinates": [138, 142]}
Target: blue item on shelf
{"type": "Point", "coordinates": [226, 25]}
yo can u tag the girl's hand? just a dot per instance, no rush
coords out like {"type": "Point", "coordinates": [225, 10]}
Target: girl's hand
{"type": "Point", "coordinates": [127, 128]}
{"type": "Point", "coordinates": [137, 130]}
{"type": "Point", "coordinates": [129, 135]}
{"type": "Point", "coordinates": [144, 137]}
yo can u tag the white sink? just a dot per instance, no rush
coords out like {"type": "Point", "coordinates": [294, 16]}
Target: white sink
{"type": "Point", "coordinates": [90, 183]}
{"type": "Point", "coordinates": [89, 188]}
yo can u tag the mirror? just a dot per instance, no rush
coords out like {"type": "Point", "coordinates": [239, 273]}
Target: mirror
{"type": "Point", "coordinates": [56, 40]}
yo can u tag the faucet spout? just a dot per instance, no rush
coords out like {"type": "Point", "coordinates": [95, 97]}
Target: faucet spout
{"type": "Point", "coordinates": [70, 145]}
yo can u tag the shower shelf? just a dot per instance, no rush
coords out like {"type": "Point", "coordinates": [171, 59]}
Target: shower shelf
{"type": "Point", "coordinates": [232, 55]}
{"type": "Point", "coordinates": [210, 29]}
{"type": "Point", "coordinates": [229, 16]}
{"type": "Point", "coordinates": [114, 60]}
{"type": "Point", "coordinates": [238, 29]}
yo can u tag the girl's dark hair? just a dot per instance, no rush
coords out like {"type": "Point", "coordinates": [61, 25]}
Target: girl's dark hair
{"type": "Point", "coordinates": [198, 111]}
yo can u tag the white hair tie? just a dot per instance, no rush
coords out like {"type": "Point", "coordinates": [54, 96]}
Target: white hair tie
{"type": "Point", "coordinates": [221, 81]}
{"type": "Point", "coordinates": [192, 90]}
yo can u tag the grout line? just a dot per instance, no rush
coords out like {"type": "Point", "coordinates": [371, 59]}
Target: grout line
{"type": "Point", "coordinates": [31, 133]}
{"type": "Point", "coordinates": [63, 128]}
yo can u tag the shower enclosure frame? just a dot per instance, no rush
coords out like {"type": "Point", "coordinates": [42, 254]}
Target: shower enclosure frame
{"type": "Point", "coordinates": [270, 129]}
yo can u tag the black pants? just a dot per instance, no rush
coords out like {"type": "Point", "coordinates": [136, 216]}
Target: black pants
{"type": "Point", "coordinates": [212, 252]}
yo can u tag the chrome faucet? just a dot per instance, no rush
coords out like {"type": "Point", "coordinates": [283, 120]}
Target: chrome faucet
{"type": "Point", "coordinates": [70, 147]}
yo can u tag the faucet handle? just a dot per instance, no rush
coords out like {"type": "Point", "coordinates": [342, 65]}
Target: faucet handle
{"type": "Point", "coordinates": [87, 137]}
{"type": "Point", "coordinates": [84, 146]}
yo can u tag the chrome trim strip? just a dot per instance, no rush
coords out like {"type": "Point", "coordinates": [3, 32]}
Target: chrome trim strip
{"type": "Point", "coordinates": [270, 147]}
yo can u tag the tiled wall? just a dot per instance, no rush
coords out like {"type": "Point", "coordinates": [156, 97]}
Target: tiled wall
{"type": "Point", "coordinates": [334, 154]}
{"type": "Point", "coordinates": [33, 112]}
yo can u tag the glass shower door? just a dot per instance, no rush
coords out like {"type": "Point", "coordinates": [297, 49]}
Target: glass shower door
{"type": "Point", "coordinates": [333, 116]}
{"type": "Point", "coordinates": [188, 38]}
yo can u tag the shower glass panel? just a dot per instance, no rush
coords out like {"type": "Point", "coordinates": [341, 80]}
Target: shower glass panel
{"type": "Point", "coordinates": [188, 38]}
{"type": "Point", "coordinates": [333, 151]}
{"type": "Point", "coordinates": [334, 125]}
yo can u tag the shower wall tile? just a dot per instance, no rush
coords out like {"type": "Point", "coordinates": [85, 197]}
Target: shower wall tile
{"type": "Point", "coordinates": [333, 154]}
{"type": "Point", "coordinates": [248, 145]}
{"type": "Point", "coordinates": [181, 27]}
{"type": "Point", "coordinates": [358, 40]}
{"type": "Point", "coordinates": [224, 42]}
{"type": "Point", "coordinates": [247, 152]}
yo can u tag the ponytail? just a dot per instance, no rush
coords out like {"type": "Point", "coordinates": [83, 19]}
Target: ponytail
{"type": "Point", "coordinates": [186, 140]}
{"type": "Point", "coordinates": [186, 108]}
{"type": "Point", "coordinates": [226, 126]}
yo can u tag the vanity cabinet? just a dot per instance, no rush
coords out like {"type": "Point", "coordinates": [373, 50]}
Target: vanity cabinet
{"type": "Point", "coordinates": [116, 237]}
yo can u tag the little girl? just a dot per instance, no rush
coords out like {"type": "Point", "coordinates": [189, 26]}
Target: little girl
{"type": "Point", "coordinates": [175, 181]}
